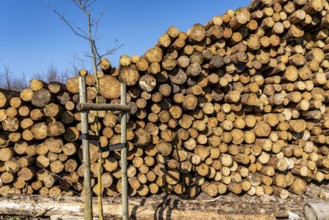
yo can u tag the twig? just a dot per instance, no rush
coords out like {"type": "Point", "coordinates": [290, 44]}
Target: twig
{"type": "Point", "coordinates": [69, 24]}
{"type": "Point", "coordinates": [61, 178]}
{"type": "Point", "coordinates": [43, 213]}
{"type": "Point", "coordinates": [115, 196]}
{"type": "Point", "coordinates": [212, 200]}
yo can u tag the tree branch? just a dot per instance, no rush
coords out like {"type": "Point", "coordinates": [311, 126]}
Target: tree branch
{"type": "Point", "coordinates": [112, 51]}
{"type": "Point", "coordinates": [96, 21]}
{"type": "Point", "coordinates": [69, 24]}
{"type": "Point", "coordinates": [90, 4]}
{"type": "Point", "coordinates": [91, 32]}
{"type": "Point", "coordinates": [96, 51]}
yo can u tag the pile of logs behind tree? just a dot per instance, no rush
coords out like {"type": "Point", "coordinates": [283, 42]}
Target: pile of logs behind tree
{"type": "Point", "coordinates": [239, 105]}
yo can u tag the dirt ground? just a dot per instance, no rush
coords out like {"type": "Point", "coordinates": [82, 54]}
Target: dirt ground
{"type": "Point", "coordinates": [229, 205]}
{"type": "Point", "coordinates": [290, 208]}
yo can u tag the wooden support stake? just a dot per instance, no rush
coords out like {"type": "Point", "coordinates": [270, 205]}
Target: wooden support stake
{"type": "Point", "coordinates": [125, 213]}
{"type": "Point", "coordinates": [85, 151]}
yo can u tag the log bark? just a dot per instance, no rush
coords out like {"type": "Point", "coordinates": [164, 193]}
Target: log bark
{"type": "Point", "coordinates": [316, 210]}
{"type": "Point", "coordinates": [74, 207]}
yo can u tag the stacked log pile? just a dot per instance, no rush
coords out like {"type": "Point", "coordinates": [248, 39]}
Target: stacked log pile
{"type": "Point", "coordinates": [238, 105]}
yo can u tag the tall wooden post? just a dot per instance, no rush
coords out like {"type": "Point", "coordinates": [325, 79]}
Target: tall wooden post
{"type": "Point", "coordinates": [85, 149]}
{"type": "Point", "coordinates": [125, 211]}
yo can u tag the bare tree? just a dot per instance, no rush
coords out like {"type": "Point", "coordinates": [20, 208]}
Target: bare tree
{"type": "Point", "coordinates": [53, 75]}
{"type": "Point", "coordinates": [19, 84]}
{"type": "Point", "coordinates": [11, 83]}
{"type": "Point", "coordinates": [77, 63]}
{"type": "Point", "coordinates": [89, 33]}
{"type": "Point", "coordinates": [7, 78]}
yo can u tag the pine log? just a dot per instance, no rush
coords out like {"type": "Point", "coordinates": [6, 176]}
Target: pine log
{"type": "Point", "coordinates": [41, 97]}
{"type": "Point", "coordinates": [109, 87]}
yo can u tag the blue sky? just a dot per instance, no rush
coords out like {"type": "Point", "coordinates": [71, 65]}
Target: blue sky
{"type": "Point", "coordinates": [33, 38]}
